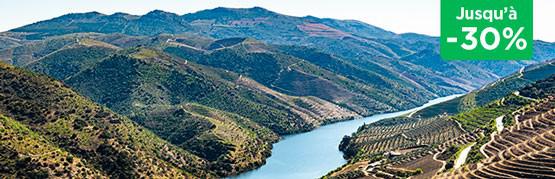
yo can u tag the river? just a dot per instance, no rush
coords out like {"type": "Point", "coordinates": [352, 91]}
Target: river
{"type": "Point", "coordinates": [313, 154]}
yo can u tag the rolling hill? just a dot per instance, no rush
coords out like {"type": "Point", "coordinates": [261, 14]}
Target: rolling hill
{"type": "Point", "coordinates": [295, 76]}
{"type": "Point", "coordinates": [206, 94]}
{"type": "Point", "coordinates": [407, 66]}
{"type": "Point", "coordinates": [498, 89]}
{"type": "Point", "coordinates": [230, 121]}
{"type": "Point", "coordinates": [49, 130]}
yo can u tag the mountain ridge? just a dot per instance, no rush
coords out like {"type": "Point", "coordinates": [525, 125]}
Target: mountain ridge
{"type": "Point", "coordinates": [222, 85]}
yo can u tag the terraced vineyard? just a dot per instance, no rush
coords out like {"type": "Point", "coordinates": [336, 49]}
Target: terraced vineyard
{"type": "Point", "coordinates": [509, 137]}
{"type": "Point", "coordinates": [206, 94]}
{"type": "Point", "coordinates": [405, 134]}
{"type": "Point", "coordinates": [525, 150]}
{"type": "Point", "coordinates": [391, 147]}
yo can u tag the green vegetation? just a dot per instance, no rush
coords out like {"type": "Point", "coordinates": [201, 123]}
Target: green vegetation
{"type": "Point", "coordinates": [221, 101]}
{"type": "Point", "coordinates": [398, 133]}
{"type": "Point", "coordinates": [294, 76]}
{"type": "Point", "coordinates": [24, 153]}
{"type": "Point", "coordinates": [127, 84]}
{"type": "Point", "coordinates": [491, 92]}
{"type": "Point", "coordinates": [153, 89]}
{"type": "Point", "coordinates": [540, 89]}
{"type": "Point", "coordinates": [23, 54]}
{"type": "Point", "coordinates": [100, 139]}
{"type": "Point", "coordinates": [66, 62]}
{"type": "Point", "coordinates": [534, 123]}
{"type": "Point", "coordinates": [457, 152]}
{"type": "Point", "coordinates": [480, 117]}
{"type": "Point", "coordinates": [448, 107]}
{"type": "Point", "coordinates": [484, 117]}
{"type": "Point", "coordinates": [472, 112]}
{"type": "Point", "coordinates": [156, 91]}
{"type": "Point", "coordinates": [475, 156]}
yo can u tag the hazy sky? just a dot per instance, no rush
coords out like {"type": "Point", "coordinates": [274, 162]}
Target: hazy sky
{"type": "Point", "coordinates": [420, 16]}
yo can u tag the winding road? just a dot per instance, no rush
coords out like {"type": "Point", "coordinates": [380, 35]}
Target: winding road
{"type": "Point", "coordinates": [461, 159]}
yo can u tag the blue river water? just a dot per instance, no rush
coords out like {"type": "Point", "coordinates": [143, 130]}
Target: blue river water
{"type": "Point", "coordinates": [315, 153]}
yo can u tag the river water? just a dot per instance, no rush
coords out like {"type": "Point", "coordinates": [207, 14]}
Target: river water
{"type": "Point", "coordinates": [313, 154]}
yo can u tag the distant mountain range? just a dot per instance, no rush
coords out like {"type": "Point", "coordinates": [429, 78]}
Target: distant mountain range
{"type": "Point", "coordinates": [222, 85]}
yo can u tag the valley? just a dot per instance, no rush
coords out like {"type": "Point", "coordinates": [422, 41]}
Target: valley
{"type": "Point", "coordinates": [313, 154]}
{"type": "Point", "coordinates": [251, 93]}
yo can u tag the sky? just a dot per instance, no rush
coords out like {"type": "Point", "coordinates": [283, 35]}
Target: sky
{"type": "Point", "coordinates": [399, 16]}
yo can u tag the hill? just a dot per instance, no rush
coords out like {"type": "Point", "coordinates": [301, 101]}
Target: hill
{"type": "Point", "coordinates": [52, 131]}
{"type": "Point", "coordinates": [407, 64]}
{"type": "Point", "coordinates": [295, 76]}
{"type": "Point", "coordinates": [26, 154]}
{"type": "Point", "coordinates": [226, 119]}
{"type": "Point", "coordinates": [221, 85]}
{"type": "Point", "coordinates": [523, 149]}
{"type": "Point", "coordinates": [493, 91]}
{"type": "Point", "coordinates": [488, 131]}
{"type": "Point", "coordinates": [72, 59]}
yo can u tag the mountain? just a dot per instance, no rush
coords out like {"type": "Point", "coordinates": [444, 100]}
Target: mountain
{"type": "Point", "coordinates": [73, 58]}
{"type": "Point", "coordinates": [406, 60]}
{"type": "Point", "coordinates": [154, 22]}
{"type": "Point", "coordinates": [49, 130]}
{"type": "Point", "coordinates": [220, 86]}
{"type": "Point", "coordinates": [220, 116]}
{"type": "Point", "coordinates": [295, 76]}
{"type": "Point", "coordinates": [361, 44]}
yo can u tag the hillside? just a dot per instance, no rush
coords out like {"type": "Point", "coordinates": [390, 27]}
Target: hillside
{"type": "Point", "coordinates": [26, 154]}
{"type": "Point", "coordinates": [71, 59]}
{"type": "Point", "coordinates": [522, 150]}
{"type": "Point", "coordinates": [362, 91]}
{"type": "Point", "coordinates": [493, 91]}
{"type": "Point", "coordinates": [206, 94]}
{"type": "Point", "coordinates": [52, 131]}
{"type": "Point", "coordinates": [157, 91]}
{"type": "Point", "coordinates": [295, 76]}
{"type": "Point", "coordinates": [393, 147]}
{"type": "Point", "coordinates": [402, 134]}
{"type": "Point", "coordinates": [153, 89]}
{"type": "Point", "coordinates": [148, 78]}
{"type": "Point", "coordinates": [226, 119]}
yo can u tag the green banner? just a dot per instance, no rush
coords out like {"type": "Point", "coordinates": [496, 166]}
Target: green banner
{"type": "Point", "coordinates": [486, 29]}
